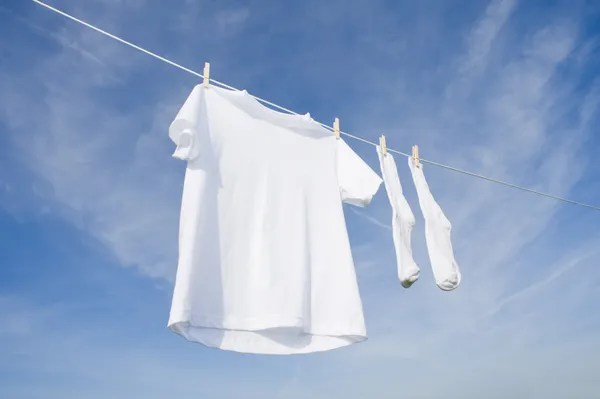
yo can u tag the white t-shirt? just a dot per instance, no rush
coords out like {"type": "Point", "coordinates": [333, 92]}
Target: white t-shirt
{"type": "Point", "coordinates": [264, 258]}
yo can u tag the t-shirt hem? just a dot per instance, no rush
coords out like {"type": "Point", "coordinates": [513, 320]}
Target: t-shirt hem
{"type": "Point", "coordinates": [266, 322]}
{"type": "Point", "coordinates": [322, 337]}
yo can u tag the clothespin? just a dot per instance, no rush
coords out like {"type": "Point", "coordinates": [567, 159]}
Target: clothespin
{"type": "Point", "coordinates": [383, 145]}
{"type": "Point", "coordinates": [206, 74]}
{"type": "Point", "coordinates": [336, 127]}
{"type": "Point", "coordinates": [415, 155]}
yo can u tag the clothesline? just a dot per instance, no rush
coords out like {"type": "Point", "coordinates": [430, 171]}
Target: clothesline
{"type": "Point", "coordinates": [213, 81]}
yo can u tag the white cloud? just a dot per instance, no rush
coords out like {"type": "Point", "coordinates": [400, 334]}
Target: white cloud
{"type": "Point", "coordinates": [107, 168]}
{"type": "Point", "coordinates": [484, 33]}
{"type": "Point", "coordinates": [230, 21]}
{"type": "Point", "coordinates": [51, 343]}
{"type": "Point", "coordinates": [376, 222]}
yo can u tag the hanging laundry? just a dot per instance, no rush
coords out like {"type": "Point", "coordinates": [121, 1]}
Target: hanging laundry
{"type": "Point", "coordinates": [264, 258]}
{"type": "Point", "coordinates": [403, 220]}
{"type": "Point", "coordinates": [437, 233]}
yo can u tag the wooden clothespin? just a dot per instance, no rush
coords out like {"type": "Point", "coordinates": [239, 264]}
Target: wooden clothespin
{"type": "Point", "coordinates": [383, 145]}
{"type": "Point", "coordinates": [206, 74]}
{"type": "Point", "coordinates": [336, 128]}
{"type": "Point", "coordinates": [415, 155]}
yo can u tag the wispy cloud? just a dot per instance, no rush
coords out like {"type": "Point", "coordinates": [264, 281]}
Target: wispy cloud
{"type": "Point", "coordinates": [561, 270]}
{"type": "Point", "coordinates": [371, 219]}
{"type": "Point", "coordinates": [485, 31]}
{"type": "Point", "coordinates": [230, 21]}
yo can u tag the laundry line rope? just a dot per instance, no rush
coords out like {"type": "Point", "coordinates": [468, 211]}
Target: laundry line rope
{"type": "Point", "coordinates": [213, 81]}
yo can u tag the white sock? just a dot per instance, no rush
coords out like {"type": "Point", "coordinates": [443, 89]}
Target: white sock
{"type": "Point", "coordinates": [437, 233]}
{"type": "Point", "coordinates": [403, 220]}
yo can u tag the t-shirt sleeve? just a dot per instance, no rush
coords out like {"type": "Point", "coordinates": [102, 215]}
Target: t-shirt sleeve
{"type": "Point", "coordinates": [358, 183]}
{"type": "Point", "coordinates": [186, 128]}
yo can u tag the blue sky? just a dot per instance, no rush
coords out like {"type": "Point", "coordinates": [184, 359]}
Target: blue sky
{"type": "Point", "coordinates": [89, 193]}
